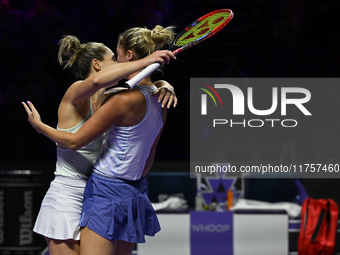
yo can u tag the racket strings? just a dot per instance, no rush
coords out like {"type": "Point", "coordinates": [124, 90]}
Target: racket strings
{"type": "Point", "coordinates": [199, 29]}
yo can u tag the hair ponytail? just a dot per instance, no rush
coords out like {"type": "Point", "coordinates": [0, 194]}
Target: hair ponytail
{"type": "Point", "coordinates": [78, 57]}
{"type": "Point", "coordinates": [68, 46]}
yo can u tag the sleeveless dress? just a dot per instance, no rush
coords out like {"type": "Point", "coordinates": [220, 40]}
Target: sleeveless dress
{"type": "Point", "coordinates": [60, 211]}
{"type": "Point", "coordinates": [116, 205]}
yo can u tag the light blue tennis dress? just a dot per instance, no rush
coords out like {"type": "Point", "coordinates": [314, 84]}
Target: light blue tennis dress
{"type": "Point", "coordinates": [116, 205]}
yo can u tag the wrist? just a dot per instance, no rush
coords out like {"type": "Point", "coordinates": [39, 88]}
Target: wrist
{"type": "Point", "coordinates": [38, 127]}
{"type": "Point", "coordinates": [170, 88]}
{"type": "Point", "coordinates": [146, 62]}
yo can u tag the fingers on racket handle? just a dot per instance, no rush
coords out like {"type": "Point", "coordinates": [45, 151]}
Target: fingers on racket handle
{"type": "Point", "coordinates": [140, 76]}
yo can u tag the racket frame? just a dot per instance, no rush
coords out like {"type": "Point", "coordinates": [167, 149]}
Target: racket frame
{"type": "Point", "coordinates": [151, 68]}
{"type": "Point", "coordinates": [205, 37]}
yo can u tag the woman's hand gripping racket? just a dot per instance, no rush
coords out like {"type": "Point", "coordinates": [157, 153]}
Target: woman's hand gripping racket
{"type": "Point", "coordinates": [198, 31]}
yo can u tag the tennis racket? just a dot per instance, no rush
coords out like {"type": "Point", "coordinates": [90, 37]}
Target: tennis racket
{"type": "Point", "coordinates": [198, 31]}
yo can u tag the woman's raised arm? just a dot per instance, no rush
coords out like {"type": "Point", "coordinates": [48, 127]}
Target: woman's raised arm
{"type": "Point", "coordinates": [112, 74]}
{"type": "Point", "coordinates": [112, 111]}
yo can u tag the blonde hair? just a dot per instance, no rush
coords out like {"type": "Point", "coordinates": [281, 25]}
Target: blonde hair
{"type": "Point", "coordinates": [143, 41]}
{"type": "Point", "coordinates": [78, 57]}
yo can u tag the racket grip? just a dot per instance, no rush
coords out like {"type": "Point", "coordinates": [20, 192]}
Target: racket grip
{"type": "Point", "coordinates": [140, 76]}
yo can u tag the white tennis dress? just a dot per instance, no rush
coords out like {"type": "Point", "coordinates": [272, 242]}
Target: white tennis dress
{"type": "Point", "coordinates": [59, 214]}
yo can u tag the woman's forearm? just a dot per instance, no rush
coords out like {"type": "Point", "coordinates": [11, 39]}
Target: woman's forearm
{"type": "Point", "coordinates": [58, 136]}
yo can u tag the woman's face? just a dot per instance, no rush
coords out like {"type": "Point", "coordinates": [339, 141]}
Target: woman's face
{"type": "Point", "coordinates": [109, 59]}
{"type": "Point", "coordinates": [121, 55]}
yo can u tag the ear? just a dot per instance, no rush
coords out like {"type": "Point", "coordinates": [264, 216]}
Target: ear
{"type": "Point", "coordinates": [130, 55]}
{"type": "Point", "coordinates": [96, 64]}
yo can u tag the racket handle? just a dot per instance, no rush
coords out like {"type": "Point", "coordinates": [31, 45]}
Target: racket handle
{"type": "Point", "coordinates": [140, 76]}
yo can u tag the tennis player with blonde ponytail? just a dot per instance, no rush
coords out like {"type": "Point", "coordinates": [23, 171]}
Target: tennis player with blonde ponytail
{"type": "Point", "coordinates": [94, 66]}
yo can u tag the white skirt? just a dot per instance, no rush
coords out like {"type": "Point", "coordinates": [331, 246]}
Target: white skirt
{"type": "Point", "coordinates": [59, 215]}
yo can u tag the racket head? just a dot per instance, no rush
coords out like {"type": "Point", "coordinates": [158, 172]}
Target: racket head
{"type": "Point", "coordinates": [202, 29]}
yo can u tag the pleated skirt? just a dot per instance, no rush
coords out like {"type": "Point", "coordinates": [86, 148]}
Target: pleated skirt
{"type": "Point", "coordinates": [118, 209]}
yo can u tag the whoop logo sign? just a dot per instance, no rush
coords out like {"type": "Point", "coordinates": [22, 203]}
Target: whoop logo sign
{"type": "Point", "coordinates": [301, 97]}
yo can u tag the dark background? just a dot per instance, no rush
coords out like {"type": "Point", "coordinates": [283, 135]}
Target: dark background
{"type": "Point", "coordinates": [292, 38]}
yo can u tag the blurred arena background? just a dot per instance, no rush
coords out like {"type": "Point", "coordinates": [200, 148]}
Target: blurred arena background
{"type": "Point", "coordinates": [267, 38]}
